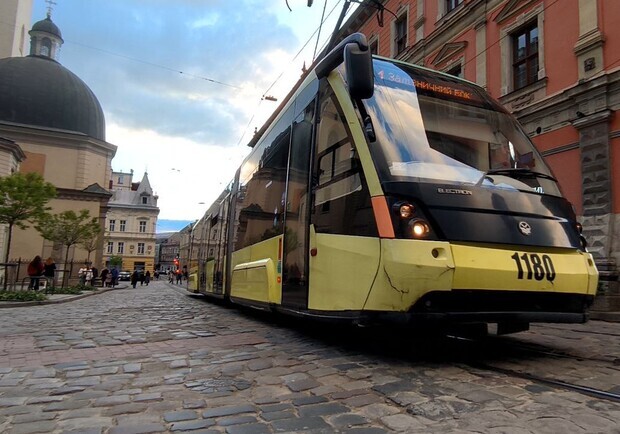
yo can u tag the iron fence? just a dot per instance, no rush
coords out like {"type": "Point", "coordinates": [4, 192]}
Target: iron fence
{"type": "Point", "coordinates": [14, 275]}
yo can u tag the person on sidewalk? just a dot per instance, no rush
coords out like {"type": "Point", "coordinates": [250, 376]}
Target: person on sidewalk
{"type": "Point", "coordinates": [49, 271]}
{"type": "Point", "coordinates": [134, 278]}
{"type": "Point", "coordinates": [147, 278]}
{"type": "Point", "coordinates": [35, 270]}
{"type": "Point", "coordinates": [104, 277]}
{"type": "Point", "coordinates": [114, 277]}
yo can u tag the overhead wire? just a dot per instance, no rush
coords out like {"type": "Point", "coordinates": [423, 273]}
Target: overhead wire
{"type": "Point", "coordinates": [145, 62]}
{"type": "Point", "coordinates": [323, 19]}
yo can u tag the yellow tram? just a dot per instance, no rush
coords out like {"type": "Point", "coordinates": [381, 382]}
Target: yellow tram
{"type": "Point", "coordinates": [384, 191]}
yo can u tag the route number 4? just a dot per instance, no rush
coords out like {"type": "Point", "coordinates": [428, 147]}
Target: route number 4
{"type": "Point", "coordinates": [536, 266]}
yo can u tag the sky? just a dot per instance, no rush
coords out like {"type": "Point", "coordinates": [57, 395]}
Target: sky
{"type": "Point", "coordinates": [181, 82]}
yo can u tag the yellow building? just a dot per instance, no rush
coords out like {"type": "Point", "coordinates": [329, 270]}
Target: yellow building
{"type": "Point", "coordinates": [131, 223]}
{"type": "Point", "coordinates": [54, 117]}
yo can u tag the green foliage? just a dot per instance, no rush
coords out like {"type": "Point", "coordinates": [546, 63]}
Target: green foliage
{"type": "Point", "coordinates": [68, 228]}
{"type": "Point", "coordinates": [76, 289]}
{"type": "Point", "coordinates": [21, 296]}
{"type": "Point", "coordinates": [116, 261]}
{"type": "Point", "coordinates": [23, 198]}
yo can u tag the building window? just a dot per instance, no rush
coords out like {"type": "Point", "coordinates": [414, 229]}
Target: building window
{"type": "Point", "coordinates": [214, 234]}
{"type": "Point", "coordinates": [140, 248]}
{"type": "Point", "coordinates": [121, 248]}
{"type": "Point", "coordinates": [110, 247]}
{"type": "Point", "coordinates": [400, 34]}
{"type": "Point", "coordinates": [374, 46]}
{"type": "Point", "coordinates": [112, 225]}
{"type": "Point", "coordinates": [452, 4]}
{"type": "Point", "coordinates": [456, 71]}
{"type": "Point", "coordinates": [120, 179]}
{"type": "Point", "coordinates": [144, 200]}
{"type": "Point", "coordinates": [525, 56]}
{"type": "Point", "coordinates": [122, 225]}
{"type": "Point", "coordinates": [142, 227]}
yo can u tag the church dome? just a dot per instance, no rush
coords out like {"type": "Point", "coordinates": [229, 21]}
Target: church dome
{"type": "Point", "coordinates": [46, 25]}
{"type": "Point", "coordinates": [38, 91]}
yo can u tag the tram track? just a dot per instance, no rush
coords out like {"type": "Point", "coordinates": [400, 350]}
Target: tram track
{"type": "Point", "coordinates": [555, 383]}
{"type": "Point", "coordinates": [514, 350]}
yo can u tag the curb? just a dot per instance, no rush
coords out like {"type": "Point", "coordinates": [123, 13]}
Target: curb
{"type": "Point", "coordinates": [9, 304]}
{"type": "Point", "coordinates": [605, 316]}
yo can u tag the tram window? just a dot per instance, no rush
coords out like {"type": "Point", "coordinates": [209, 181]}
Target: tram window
{"type": "Point", "coordinates": [341, 200]}
{"type": "Point", "coordinates": [261, 193]}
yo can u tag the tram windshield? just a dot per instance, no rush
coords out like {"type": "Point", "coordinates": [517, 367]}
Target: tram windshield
{"type": "Point", "coordinates": [432, 128]}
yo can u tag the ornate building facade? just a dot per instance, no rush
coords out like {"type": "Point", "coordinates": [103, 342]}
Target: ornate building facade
{"type": "Point", "coordinates": [131, 223]}
{"type": "Point", "coordinates": [58, 123]}
{"type": "Point", "coordinates": [554, 64]}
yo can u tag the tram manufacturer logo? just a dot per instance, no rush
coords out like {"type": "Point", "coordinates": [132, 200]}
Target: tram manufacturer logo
{"type": "Point", "coordinates": [525, 228]}
{"type": "Point", "coordinates": [454, 191]}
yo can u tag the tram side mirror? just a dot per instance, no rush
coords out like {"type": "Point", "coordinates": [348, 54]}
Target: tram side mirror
{"type": "Point", "coordinates": [359, 71]}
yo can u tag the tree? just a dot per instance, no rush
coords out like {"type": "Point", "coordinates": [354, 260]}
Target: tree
{"type": "Point", "coordinates": [23, 199]}
{"type": "Point", "coordinates": [68, 228]}
{"type": "Point", "coordinates": [90, 244]}
{"type": "Point", "coordinates": [116, 261]}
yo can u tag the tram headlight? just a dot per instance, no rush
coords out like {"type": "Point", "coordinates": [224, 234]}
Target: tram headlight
{"type": "Point", "coordinates": [406, 211]}
{"type": "Point", "coordinates": [419, 228]}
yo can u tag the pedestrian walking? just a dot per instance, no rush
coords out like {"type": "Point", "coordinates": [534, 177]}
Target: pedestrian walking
{"type": "Point", "coordinates": [141, 277]}
{"type": "Point", "coordinates": [49, 271]}
{"type": "Point", "coordinates": [147, 278]}
{"type": "Point", "coordinates": [134, 278]}
{"type": "Point", "coordinates": [85, 274]}
{"type": "Point", "coordinates": [179, 277]}
{"type": "Point", "coordinates": [114, 277]}
{"type": "Point", "coordinates": [104, 277]}
{"type": "Point", "coordinates": [35, 270]}
{"type": "Point", "coordinates": [95, 272]}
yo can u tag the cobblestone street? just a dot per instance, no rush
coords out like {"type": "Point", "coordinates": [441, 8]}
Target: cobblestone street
{"type": "Point", "coordinates": [154, 359]}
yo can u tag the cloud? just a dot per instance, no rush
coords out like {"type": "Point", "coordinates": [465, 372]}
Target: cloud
{"type": "Point", "coordinates": [150, 62]}
{"type": "Point", "coordinates": [150, 65]}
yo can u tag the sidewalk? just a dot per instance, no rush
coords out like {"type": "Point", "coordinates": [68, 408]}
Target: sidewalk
{"type": "Point", "coordinates": [59, 298]}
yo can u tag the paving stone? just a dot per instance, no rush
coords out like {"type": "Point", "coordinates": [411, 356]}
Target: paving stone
{"type": "Point", "coordinates": [132, 407]}
{"type": "Point", "coordinates": [33, 417]}
{"type": "Point", "coordinates": [176, 416]}
{"type": "Point", "coordinates": [33, 427]}
{"type": "Point", "coordinates": [322, 409]}
{"type": "Point", "coordinates": [299, 424]}
{"type": "Point", "coordinates": [132, 368]}
{"type": "Point", "coordinates": [192, 425]}
{"type": "Point", "coordinates": [348, 420]}
{"type": "Point", "coordinates": [44, 373]}
{"type": "Point", "coordinates": [144, 428]}
{"type": "Point", "coordinates": [252, 428]}
{"type": "Point", "coordinates": [148, 397]}
{"type": "Point", "coordinates": [67, 390]}
{"type": "Point", "coordinates": [403, 423]}
{"type": "Point", "coordinates": [300, 385]}
{"type": "Point", "coordinates": [277, 415]}
{"type": "Point", "coordinates": [84, 431]}
{"type": "Point", "coordinates": [111, 400]}
{"type": "Point", "coordinates": [228, 411]}
{"type": "Point", "coordinates": [308, 400]}
{"type": "Point", "coordinates": [10, 402]}
{"type": "Point", "coordinates": [236, 420]}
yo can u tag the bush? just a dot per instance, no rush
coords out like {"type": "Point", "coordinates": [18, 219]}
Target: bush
{"type": "Point", "coordinates": [67, 290]}
{"type": "Point", "coordinates": [22, 296]}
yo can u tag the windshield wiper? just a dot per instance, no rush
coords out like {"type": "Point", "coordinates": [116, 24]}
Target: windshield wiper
{"type": "Point", "coordinates": [515, 172]}
{"type": "Point", "coordinates": [519, 172]}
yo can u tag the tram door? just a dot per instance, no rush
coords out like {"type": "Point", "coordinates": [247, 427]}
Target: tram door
{"type": "Point", "coordinates": [295, 248]}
